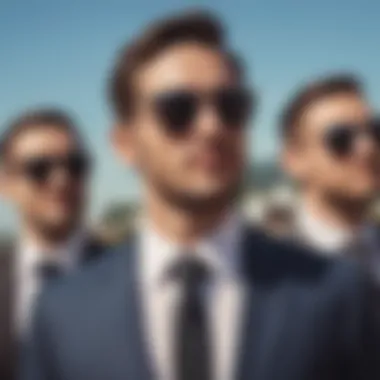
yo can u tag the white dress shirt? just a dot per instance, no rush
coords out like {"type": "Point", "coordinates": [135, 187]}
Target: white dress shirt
{"type": "Point", "coordinates": [27, 281]}
{"type": "Point", "coordinates": [321, 234]}
{"type": "Point", "coordinates": [332, 240]}
{"type": "Point", "coordinates": [224, 296]}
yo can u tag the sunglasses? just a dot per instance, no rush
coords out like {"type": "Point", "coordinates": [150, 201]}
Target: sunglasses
{"type": "Point", "coordinates": [40, 169]}
{"type": "Point", "coordinates": [340, 139]}
{"type": "Point", "coordinates": [178, 109]}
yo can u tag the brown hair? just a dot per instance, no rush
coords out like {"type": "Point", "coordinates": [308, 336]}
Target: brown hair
{"type": "Point", "coordinates": [311, 93]}
{"type": "Point", "coordinates": [33, 119]}
{"type": "Point", "coordinates": [197, 26]}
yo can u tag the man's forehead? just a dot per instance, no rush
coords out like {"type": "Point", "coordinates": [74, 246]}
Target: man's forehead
{"type": "Point", "coordinates": [191, 64]}
{"type": "Point", "coordinates": [41, 139]}
{"type": "Point", "coordinates": [339, 108]}
{"type": "Point", "coordinates": [332, 110]}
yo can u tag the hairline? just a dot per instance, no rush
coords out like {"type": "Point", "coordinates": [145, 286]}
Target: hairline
{"type": "Point", "coordinates": [19, 130]}
{"type": "Point", "coordinates": [293, 132]}
{"type": "Point", "coordinates": [226, 57]}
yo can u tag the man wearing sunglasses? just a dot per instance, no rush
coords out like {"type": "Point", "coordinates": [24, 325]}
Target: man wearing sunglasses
{"type": "Point", "coordinates": [44, 173]}
{"type": "Point", "coordinates": [198, 295]}
{"type": "Point", "coordinates": [332, 149]}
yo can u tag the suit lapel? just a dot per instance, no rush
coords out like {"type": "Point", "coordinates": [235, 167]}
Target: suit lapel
{"type": "Point", "coordinates": [272, 326]}
{"type": "Point", "coordinates": [258, 274]}
{"type": "Point", "coordinates": [130, 359]}
{"type": "Point", "coordinates": [138, 349]}
{"type": "Point", "coordinates": [247, 318]}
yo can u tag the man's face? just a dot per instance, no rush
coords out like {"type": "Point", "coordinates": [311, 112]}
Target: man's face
{"type": "Point", "coordinates": [187, 135]}
{"type": "Point", "coordinates": [44, 176]}
{"type": "Point", "coordinates": [338, 148]}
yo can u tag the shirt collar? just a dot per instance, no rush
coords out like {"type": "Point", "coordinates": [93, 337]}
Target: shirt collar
{"type": "Point", "coordinates": [218, 249]}
{"type": "Point", "coordinates": [324, 236]}
{"type": "Point", "coordinates": [66, 255]}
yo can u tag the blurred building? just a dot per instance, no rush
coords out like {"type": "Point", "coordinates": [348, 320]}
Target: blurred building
{"type": "Point", "coordinates": [268, 200]}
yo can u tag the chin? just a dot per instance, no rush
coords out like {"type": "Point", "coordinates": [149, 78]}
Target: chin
{"type": "Point", "coordinates": [208, 198]}
{"type": "Point", "coordinates": [60, 222]}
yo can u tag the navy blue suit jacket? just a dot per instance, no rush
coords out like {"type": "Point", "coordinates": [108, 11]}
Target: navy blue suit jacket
{"type": "Point", "coordinates": [308, 318]}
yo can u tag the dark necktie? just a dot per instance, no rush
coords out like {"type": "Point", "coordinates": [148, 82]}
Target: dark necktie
{"type": "Point", "coordinates": [192, 351]}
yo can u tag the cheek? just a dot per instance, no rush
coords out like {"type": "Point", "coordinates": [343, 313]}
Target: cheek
{"type": "Point", "coordinates": [153, 149]}
{"type": "Point", "coordinates": [20, 191]}
{"type": "Point", "coordinates": [302, 164]}
{"type": "Point", "coordinates": [240, 143]}
{"type": "Point", "coordinates": [242, 148]}
{"type": "Point", "coordinates": [320, 159]}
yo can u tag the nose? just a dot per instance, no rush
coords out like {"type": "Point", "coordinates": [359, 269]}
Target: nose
{"type": "Point", "coordinates": [366, 146]}
{"type": "Point", "coordinates": [60, 178]}
{"type": "Point", "coordinates": [208, 122]}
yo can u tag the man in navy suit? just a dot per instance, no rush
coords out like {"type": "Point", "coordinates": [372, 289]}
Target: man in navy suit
{"type": "Point", "coordinates": [196, 295]}
{"type": "Point", "coordinates": [45, 167]}
{"type": "Point", "coordinates": [331, 149]}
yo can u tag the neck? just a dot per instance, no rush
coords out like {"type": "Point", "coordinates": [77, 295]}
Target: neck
{"type": "Point", "coordinates": [181, 225]}
{"type": "Point", "coordinates": [345, 214]}
{"type": "Point", "coordinates": [43, 240]}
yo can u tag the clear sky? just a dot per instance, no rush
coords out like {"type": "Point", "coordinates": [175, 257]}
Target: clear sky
{"type": "Point", "coordinates": [59, 53]}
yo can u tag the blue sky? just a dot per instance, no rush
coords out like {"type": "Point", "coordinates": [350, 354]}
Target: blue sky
{"type": "Point", "coordinates": [59, 53]}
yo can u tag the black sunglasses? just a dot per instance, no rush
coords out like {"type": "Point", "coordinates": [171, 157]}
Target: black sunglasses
{"type": "Point", "coordinates": [40, 169]}
{"type": "Point", "coordinates": [177, 109]}
{"type": "Point", "coordinates": [340, 139]}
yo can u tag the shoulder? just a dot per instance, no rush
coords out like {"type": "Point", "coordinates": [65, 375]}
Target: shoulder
{"type": "Point", "coordinates": [80, 289]}
{"type": "Point", "coordinates": [275, 260]}
{"type": "Point", "coordinates": [317, 285]}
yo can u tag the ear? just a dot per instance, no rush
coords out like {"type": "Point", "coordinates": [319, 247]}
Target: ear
{"type": "Point", "coordinates": [123, 144]}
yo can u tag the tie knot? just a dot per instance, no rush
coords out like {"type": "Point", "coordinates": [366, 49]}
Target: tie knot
{"type": "Point", "coordinates": [189, 270]}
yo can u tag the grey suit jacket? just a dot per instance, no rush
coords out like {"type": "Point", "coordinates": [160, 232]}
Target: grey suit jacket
{"type": "Point", "coordinates": [307, 318]}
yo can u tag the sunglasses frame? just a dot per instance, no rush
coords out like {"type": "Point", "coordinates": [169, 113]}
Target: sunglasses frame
{"type": "Point", "coordinates": [52, 163]}
{"type": "Point", "coordinates": [198, 100]}
{"type": "Point", "coordinates": [353, 132]}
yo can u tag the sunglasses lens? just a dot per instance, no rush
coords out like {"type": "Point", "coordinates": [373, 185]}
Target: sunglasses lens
{"type": "Point", "coordinates": [176, 110]}
{"type": "Point", "coordinates": [340, 139]}
{"type": "Point", "coordinates": [233, 106]}
{"type": "Point", "coordinates": [38, 170]}
{"type": "Point", "coordinates": [77, 165]}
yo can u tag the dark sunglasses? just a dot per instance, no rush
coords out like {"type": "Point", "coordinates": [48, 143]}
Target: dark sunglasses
{"type": "Point", "coordinates": [340, 139]}
{"type": "Point", "coordinates": [40, 169]}
{"type": "Point", "coordinates": [177, 109]}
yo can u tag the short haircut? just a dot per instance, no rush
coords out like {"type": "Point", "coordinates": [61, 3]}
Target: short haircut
{"type": "Point", "coordinates": [200, 27]}
{"type": "Point", "coordinates": [37, 119]}
{"type": "Point", "coordinates": [313, 92]}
